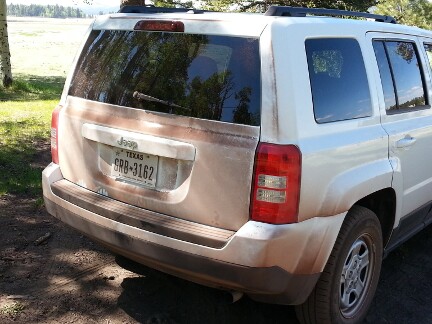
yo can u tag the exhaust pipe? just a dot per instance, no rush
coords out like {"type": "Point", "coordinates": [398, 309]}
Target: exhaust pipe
{"type": "Point", "coordinates": [236, 295]}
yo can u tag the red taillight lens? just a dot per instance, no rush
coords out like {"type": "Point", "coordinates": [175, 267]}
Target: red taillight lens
{"type": "Point", "coordinates": [160, 25]}
{"type": "Point", "coordinates": [54, 134]}
{"type": "Point", "coordinates": [276, 184]}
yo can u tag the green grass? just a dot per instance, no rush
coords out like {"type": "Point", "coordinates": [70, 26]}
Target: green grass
{"type": "Point", "coordinates": [28, 87]}
{"type": "Point", "coordinates": [25, 116]}
{"type": "Point", "coordinates": [12, 310]}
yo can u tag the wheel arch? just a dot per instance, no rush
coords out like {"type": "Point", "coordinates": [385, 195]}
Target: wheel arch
{"type": "Point", "coordinates": [383, 204]}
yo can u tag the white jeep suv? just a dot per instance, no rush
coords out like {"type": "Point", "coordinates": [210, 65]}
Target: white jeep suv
{"type": "Point", "coordinates": [279, 155]}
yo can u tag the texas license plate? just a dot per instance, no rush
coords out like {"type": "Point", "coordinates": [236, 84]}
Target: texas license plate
{"type": "Point", "coordinates": [139, 167]}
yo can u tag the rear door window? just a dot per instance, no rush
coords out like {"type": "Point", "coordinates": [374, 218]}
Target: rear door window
{"type": "Point", "coordinates": [386, 76]}
{"type": "Point", "coordinates": [400, 70]}
{"type": "Point", "coordinates": [428, 48]}
{"type": "Point", "coordinates": [202, 76]}
{"type": "Point", "coordinates": [339, 84]}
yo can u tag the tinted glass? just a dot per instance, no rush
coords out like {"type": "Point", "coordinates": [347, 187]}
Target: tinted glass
{"type": "Point", "coordinates": [340, 89]}
{"type": "Point", "coordinates": [406, 73]}
{"type": "Point", "coordinates": [211, 77]}
{"type": "Point", "coordinates": [386, 78]}
{"type": "Point", "coordinates": [428, 48]}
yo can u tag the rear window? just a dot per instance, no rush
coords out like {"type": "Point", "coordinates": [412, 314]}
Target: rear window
{"type": "Point", "coordinates": [202, 76]}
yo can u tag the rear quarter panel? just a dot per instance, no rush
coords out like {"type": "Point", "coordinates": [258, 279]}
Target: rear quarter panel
{"type": "Point", "coordinates": [342, 161]}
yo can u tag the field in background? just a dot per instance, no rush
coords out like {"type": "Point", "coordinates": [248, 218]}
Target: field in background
{"type": "Point", "coordinates": [44, 46]}
{"type": "Point", "coordinates": [42, 51]}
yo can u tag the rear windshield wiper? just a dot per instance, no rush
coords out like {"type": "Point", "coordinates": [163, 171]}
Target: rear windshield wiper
{"type": "Point", "coordinates": [141, 96]}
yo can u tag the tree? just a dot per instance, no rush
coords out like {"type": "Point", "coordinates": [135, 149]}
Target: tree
{"type": "Point", "coordinates": [5, 64]}
{"type": "Point", "coordinates": [173, 3]}
{"type": "Point", "coordinates": [132, 3]}
{"type": "Point", "coordinates": [261, 6]}
{"type": "Point", "coordinates": [409, 12]}
{"type": "Point", "coordinates": [157, 3]}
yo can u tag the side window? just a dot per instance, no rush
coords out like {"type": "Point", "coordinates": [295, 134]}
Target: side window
{"type": "Point", "coordinates": [386, 75]}
{"type": "Point", "coordinates": [401, 75]}
{"type": "Point", "coordinates": [339, 84]}
{"type": "Point", "coordinates": [428, 48]}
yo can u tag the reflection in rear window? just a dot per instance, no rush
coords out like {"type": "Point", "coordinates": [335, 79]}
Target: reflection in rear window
{"type": "Point", "coordinates": [340, 88]}
{"type": "Point", "coordinates": [210, 77]}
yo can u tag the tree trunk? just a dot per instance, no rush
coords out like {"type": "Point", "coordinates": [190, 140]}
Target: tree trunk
{"type": "Point", "coordinates": [5, 64]}
{"type": "Point", "coordinates": [131, 3]}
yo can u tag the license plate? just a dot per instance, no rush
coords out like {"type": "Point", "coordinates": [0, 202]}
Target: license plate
{"type": "Point", "coordinates": [139, 167]}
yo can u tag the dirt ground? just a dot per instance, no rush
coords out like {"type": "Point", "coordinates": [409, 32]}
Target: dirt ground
{"type": "Point", "coordinates": [69, 279]}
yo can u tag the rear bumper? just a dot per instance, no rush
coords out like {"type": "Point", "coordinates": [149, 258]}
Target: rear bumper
{"type": "Point", "coordinates": [272, 263]}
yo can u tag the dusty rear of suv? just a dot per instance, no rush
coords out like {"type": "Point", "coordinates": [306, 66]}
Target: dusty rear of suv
{"type": "Point", "coordinates": [142, 106]}
{"type": "Point", "coordinates": [240, 151]}
{"type": "Point", "coordinates": [154, 148]}
{"type": "Point", "coordinates": [155, 141]}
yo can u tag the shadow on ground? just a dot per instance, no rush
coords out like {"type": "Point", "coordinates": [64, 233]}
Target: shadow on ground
{"type": "Point", "coordinates": [22, 162]}
{"type": "Point", "coordinates": [33, 87]}
{"type": "Point", "coordinates": [155, 297]}
{"type": "Point", "coordinates": [404, 294]}
{"type": "Point", "coordinates": [405, 290]}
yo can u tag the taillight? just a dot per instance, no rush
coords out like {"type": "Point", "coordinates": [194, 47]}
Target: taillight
{"type": "Point", "coordinates": [276, 184]}
{"type": "Point", "coordinates": [54, 134]}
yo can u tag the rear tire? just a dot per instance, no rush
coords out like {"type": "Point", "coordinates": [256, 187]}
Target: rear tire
{"type": "Point", "coordinates": [348, 283]}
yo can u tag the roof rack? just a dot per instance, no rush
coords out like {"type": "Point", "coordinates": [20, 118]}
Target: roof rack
{"type": "Point", "coordinates": [150, 9]}
{"type": "Point", "coordinates": [302, 12]}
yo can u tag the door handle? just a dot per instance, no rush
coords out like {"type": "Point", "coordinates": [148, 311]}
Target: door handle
{"type": "Point", "coordinates": [405, 142]}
